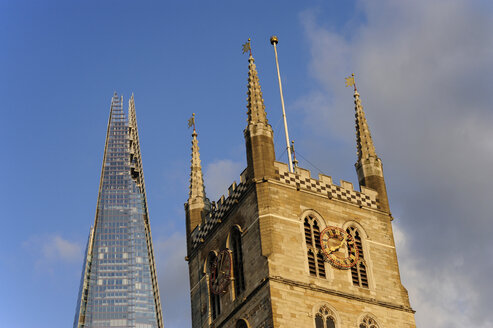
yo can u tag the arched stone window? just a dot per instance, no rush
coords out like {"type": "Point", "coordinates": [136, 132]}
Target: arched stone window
{"type": "Point", "coordinates": [359, 273]}
{"type": "Point", "coordinates": [241, 324]}
{"type": "Point", "coordinates": [316, 262]}
{"type": "Point", "coordinates": [325, 318]}
{"type": "Point", "coordinates": [236, 249]}
{"type": "Point", "coordinates": [215, 301]}
{"type": "Point", "coordinates": [368, 322]}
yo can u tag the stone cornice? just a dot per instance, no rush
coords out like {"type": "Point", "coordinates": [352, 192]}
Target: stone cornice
{"type": "Point", "coordinates": [341, 294]}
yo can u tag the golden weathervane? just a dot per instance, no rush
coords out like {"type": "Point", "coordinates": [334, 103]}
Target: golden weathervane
{"type": "Point", "coordinates": [247, 47]}
{"type": "Point", "coordinates": [350, 81]}
{"type": "Point", "coordinates": [191, 122]}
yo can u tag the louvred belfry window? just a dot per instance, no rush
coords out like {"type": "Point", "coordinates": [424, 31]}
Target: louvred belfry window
{"type": "Point", "coordinates": [215, 301]}
{"type": "Point", "coordinates": [359, 274]}
{"type": "Point", "coordinates": [316, 261]}
{"type": "Point", "coordinates": [238, 274]}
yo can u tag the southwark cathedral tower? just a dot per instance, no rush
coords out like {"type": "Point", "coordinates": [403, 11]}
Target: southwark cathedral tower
{"type": "Point", "coordinates": [288, 249]}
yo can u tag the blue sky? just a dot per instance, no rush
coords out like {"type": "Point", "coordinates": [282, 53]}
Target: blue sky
{"type": "Point", "coordinates": [424, 73]}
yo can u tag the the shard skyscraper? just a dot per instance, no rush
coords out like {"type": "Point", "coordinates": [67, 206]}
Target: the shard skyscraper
{"type": "Point", "coordinates": [119, 285]}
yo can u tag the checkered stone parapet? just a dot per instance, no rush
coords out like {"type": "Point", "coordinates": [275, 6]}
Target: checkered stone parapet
{"type": "Point", "coordinates": [329, 190]}
{"type": "Point", "coordinates": [217, 213]}
{"type": "Point", "coordinates": [301, 182]}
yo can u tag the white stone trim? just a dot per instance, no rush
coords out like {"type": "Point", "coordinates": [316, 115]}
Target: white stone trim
{"type": "Point", "coordinates": [380, 244]}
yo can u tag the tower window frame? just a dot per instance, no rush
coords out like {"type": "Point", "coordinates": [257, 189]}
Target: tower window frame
{"type": "Point", "coordinates": [214, 299]}
{"type": "Point", "coordinates": [325, 317]}
{"type": "Point", "coordinates": [360, 273]}
{"type": "Point", "coordinates": [314, 254]}
{"type": "Point", "coordinates": [236, 247]}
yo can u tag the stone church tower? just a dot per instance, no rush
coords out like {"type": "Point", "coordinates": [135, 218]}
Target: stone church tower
{"type": "Point", "coordinates": [285, 249]}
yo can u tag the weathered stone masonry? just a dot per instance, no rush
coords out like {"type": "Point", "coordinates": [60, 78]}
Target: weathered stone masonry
{"type": "Point", "coordinates": [269, 207]}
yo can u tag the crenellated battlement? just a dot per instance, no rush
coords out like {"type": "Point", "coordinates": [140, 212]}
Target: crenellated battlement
{"type": "Point", "coordinates": [302, 180]}
{"type": "Point", "coordinates": [218, 210]}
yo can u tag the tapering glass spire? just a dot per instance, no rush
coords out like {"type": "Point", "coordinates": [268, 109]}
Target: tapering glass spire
{"type": "Point", "coordinates": [364, 141]}
{"type": "Point", "coordinates": [119, 285]}
{"type": "Point", "coordinates": [256, 107]}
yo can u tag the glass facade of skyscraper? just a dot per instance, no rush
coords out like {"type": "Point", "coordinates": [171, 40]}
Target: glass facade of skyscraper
{"type": "Point", "coordinates": [119, 285]}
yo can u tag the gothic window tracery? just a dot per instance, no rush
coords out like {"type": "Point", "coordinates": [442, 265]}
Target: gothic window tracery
{"type": "Point", "coordinates": [359, 273]}
{"type": "Point", "coordinates": [238, 273]}
{"type": "Point", "coordinates": [316, 261]}
{"type": "Point", "coordinates": [215, 301]}
{"type": "Point", "coordinates": [324, 318]}
{"type": "Point", "coordinates": [368, 322]}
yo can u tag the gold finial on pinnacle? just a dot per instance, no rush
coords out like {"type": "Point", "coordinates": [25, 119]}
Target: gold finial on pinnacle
{"type": "Point", "coordinates": [274, 39]}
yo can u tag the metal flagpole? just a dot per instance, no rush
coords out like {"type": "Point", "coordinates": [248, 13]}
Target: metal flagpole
{"type": "Point", "coordinates": [274, 41]}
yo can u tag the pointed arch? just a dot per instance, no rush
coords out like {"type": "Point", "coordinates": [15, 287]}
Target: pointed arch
{"type": "Point", "coordinates": [367, 320]}
{"type": "Point", "coordinates": [206, 267]}
{"type": "Point", "coordinates": [313, 213]}
{"type": "Point", "coordinates": [228, 238]}
{"type": "Point", "coordinates": [325, 316]}
{"type": "Point", "coordinates": [313, 224]}
{"type": "Point", "coordinates": [242, 323]}
{"type": "Point", "coordinates": [356, 224]}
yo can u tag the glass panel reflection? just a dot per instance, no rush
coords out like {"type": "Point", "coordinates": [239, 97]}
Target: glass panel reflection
{"type": "Point", "coordinates": [117, 279]}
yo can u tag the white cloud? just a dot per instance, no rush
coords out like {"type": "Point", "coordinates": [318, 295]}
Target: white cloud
{"type": "Point", "coordinates": [49, 250]}
{"type": "Point", "coordinates": [438, 294]}
{"type": "Point", "coordinates": [423, 69]}
{"type": "Point", "coordinates": [59, 248]}
{"type": "Point", "coordinates": [219, 175]}
{"type": "Point", "coordinates": [173, 280]}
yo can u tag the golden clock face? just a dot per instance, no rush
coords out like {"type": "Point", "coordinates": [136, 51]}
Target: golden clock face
{"type": "Point", "coordinates": [221, 272]}
{"type": "Point", "coordinates": [339, 247]}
